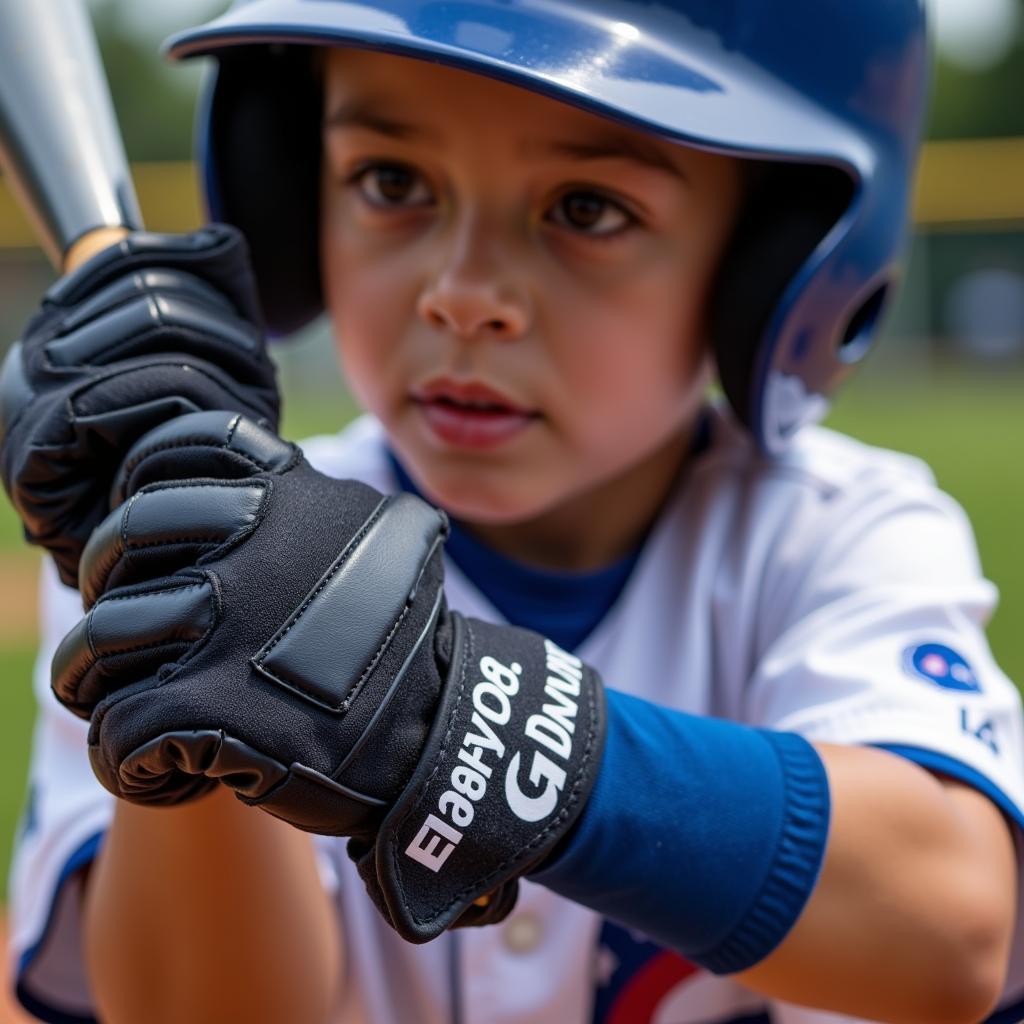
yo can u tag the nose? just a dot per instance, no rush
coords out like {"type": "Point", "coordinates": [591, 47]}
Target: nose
{"type": "Point", "coordinates": [473, 294]}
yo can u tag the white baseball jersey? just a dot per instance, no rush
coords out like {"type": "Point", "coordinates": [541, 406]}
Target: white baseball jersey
{"type": "Point", "coordinates": [833, 592]}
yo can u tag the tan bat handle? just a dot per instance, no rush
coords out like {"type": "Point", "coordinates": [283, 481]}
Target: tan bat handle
{"type": "Point", "coordinates": [90, 244]}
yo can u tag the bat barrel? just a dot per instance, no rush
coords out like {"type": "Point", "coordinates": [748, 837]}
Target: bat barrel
{"type": "Point", "coordinates": [60, 147]}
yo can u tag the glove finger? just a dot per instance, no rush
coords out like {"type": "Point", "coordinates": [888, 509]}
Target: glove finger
{"type": "Point", "coordinates": [64, 484]}
{"type": "Point", "coordinates": [128, 636]}
{"type": "Point", "coordinates": [15, 390]}
{"type": "Point", "coordinates": [163, 529]}
{"type": "Point", "coordinates": [199, 384]}
{"type": "Point", "coordinates": [218, 252]}
{"type": "Point", "coordinates": [218, 444]}
{"type": "Point", "coordinates": [163, 323]}
{"type": "Point", "coordinates": [181, 764]}
{"type": "Point", "coordinates": [146, 282]}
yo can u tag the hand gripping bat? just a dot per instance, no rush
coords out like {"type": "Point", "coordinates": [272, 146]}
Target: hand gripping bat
{"type": "Point", "coordinates": [133, 334]}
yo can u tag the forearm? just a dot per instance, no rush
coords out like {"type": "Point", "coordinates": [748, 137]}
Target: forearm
{"type": "Point", "coordinates": [208, 912]}
{"type": "Point", "coordinates": [853, 882]}
{"type": "Point", "coordinates": [911, 919]}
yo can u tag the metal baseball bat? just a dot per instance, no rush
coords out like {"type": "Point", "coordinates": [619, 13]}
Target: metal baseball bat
{"type": "Point", "coordinates": [60, 147]}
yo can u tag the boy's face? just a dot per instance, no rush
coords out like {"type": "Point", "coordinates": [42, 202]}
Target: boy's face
{"type": "Point", "coordinates": [518, 287]}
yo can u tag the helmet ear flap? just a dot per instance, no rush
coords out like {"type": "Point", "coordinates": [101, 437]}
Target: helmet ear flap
{"type": "Point", "coordinates": [789, 210]}
{"type": "Point", "coordinates": [264, 135]}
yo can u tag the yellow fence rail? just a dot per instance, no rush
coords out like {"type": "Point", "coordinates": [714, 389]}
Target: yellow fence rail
{"type": "Point", "coordinates": [975, 184]}
{"type": "Point", "coordinates": [168, 195]}
{"type": "Point", "coordinates": [971, 184]}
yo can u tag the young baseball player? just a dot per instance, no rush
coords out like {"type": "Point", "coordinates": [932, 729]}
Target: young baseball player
{"type": "Point", "coordinates": [682, 713]}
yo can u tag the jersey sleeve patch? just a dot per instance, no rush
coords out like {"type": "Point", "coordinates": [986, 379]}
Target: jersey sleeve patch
{"type": "Point", "coordinates": [942, 665]}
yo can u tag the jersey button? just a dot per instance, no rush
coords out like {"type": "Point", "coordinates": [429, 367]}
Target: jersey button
{"type": "Point", "coordinates": [524, 932]}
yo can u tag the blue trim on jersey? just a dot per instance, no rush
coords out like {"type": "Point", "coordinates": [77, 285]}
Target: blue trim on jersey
{"type": "Point", "coordinates": [565, 606]}
{"type": "Point", "coordinates": [705, 835]}
{"type": "Point", "coordinates": [935, 761]}
{"type": "Point", "coordinates": [83, 855]}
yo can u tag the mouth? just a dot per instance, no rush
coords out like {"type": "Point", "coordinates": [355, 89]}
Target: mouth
{"type": "Point", "coordinates": [470, 414]}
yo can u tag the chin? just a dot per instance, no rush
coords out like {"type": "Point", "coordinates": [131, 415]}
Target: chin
{"type": "Point", "coordinates": [469, 496]}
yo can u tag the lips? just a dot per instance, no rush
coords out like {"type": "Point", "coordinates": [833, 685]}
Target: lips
{"type": "Point", "coordinates": [470, 414]}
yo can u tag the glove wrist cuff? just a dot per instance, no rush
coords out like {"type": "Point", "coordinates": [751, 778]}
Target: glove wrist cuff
{"type": "Point", "coordinates": [507, 768]}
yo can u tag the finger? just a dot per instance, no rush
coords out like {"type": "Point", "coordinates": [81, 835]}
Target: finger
{"type": "Point", "coordinates": [163, 770]}
{"type": "Point", "coordinates": [143, 283]}
{"type": "Point", "coordinates": [15, 390]}
{"type": "Point", "coordinates": [217, 444]}
{"type": "Point", "coordinates": [110, 412]}
{"type": "Point", "coordinates": [164, 529]}
{"type": "Point", "coordinates": [161, 322]}
{"type": "Point", "coordinates": [127, 637]}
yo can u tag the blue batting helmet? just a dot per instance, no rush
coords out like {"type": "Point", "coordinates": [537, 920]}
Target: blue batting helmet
{"type": "Point", "coordinates": [827, 94]}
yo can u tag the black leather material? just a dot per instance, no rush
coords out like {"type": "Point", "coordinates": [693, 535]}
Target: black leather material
{"type": "Point", "coordinates": [310, 663]}
{"type": "Point", "coordinates": [154, 327]}
{"type": "Point", "coordinates": [325, 650]}
{"type": "Point", "coordinates": [15, 392]}
{"type": "Point", "coordinates": [165, 529]}
{"type": "Point", "coordinates": [255, 583]}
{"type": "Point", "coordinates": [154, 315]}
{"type": "Point", "coordinates": [216, 444]}
{"type": "Point", "coordinates": [210, 253]}
{"type": "Point", "coordinates": [155, 619]}
{"type": "Point", "coordinates": [141, 284]}
{"type": "Point", "coordinates": [182, 765]}
{"type": "Point", "coordinates": [136, 632]}
{"type": "Point", "coordinates": [307, 798]}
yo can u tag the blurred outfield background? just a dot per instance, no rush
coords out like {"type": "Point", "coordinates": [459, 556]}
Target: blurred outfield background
{"type": "Point", "coordinates": [947, 383]}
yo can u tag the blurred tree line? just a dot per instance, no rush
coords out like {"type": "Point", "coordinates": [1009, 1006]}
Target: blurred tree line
{"type": "Point", "coordinates": [973, 104]}
{"type": "Point", "coordinates": [155, 100]}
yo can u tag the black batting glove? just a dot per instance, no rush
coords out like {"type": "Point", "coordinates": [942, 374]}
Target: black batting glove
{"type": "Point", "coordinates": [258, 623]}
{"type": "Point", "coordinates": [151, 328]}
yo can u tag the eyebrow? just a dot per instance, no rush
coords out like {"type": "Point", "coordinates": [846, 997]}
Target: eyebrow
{"type": "Point", "coordinates": [614, 149]}
{"type": "Point", "coordinates": [366, 114]}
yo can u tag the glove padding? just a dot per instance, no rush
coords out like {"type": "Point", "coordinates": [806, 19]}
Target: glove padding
{"type": "Point", "coordinates": [306, 658]}
{"type": "Point", "coordinates": [150, 328]}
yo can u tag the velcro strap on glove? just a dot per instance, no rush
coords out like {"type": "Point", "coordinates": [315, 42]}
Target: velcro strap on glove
{"type": "Point", "coordinates": [507, 768]}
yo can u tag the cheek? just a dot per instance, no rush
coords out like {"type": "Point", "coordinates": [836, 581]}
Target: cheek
{"type": "Point", "coordinates": [369, 299]}
{"type": "Point", "coordinates": [633, 349]}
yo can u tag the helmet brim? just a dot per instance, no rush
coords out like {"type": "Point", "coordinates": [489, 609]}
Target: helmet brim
{"type": "Point", "coordinates": [574, 54]}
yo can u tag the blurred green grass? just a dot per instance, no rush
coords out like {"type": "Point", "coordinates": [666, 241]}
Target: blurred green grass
{"type": "Point", "coordinates": [15, 739]}
{"type": "Point", "coordinates": [969, 429]}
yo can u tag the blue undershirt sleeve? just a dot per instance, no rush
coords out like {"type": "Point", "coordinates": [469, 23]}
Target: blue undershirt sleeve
{"type": "Point", "coordinates": [705, 835]}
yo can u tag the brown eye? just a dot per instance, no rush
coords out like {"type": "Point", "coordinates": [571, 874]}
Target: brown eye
{"type": "Point", "coordinates": [590, 213]}
{"type": "Point", "coordinates": [392, 185]}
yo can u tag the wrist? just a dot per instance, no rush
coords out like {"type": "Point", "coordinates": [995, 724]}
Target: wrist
{"type": "Point", "coordinates": [705, 835]}
{"type": "Point", "coordinates": [508, 766]}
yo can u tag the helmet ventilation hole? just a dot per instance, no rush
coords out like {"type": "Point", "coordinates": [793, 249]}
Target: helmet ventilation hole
{"type": "Point", "coordinates": [860, 332]}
